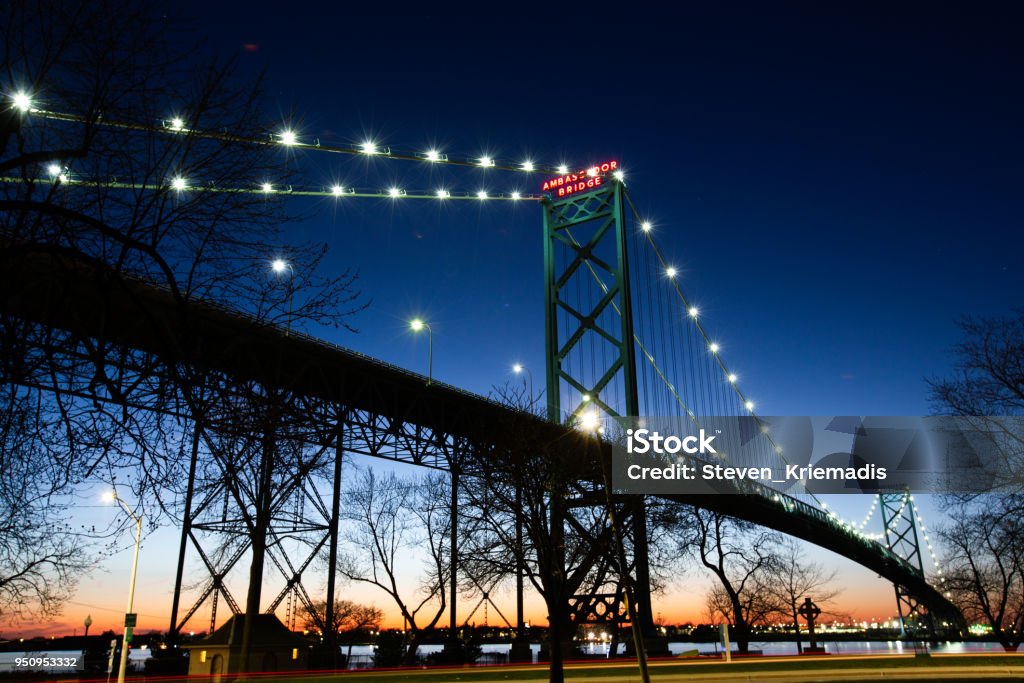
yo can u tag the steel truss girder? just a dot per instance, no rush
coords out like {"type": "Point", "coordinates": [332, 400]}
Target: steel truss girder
{"type": "Point", "coordinates": [151, 336]}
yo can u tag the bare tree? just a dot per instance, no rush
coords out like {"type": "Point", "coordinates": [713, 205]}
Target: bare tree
{"type": "Point", "coordinates": [529, 508]}
{"type": "Point", "coordinates": [40, 555]}
{"type": "Point", "coordinates": [743, 558]}
{"type": "Point", "coordinates": [984, 538]}
{"type": "Point", "coordinates": [387, 519]}
{"type": "Point", "coordinates": [124, 167]}
{"type": "Point", "coordinates": [989, 374]}
{"type": "Point", "coordinates": [985, 564]}
{"type": "Point", "coordinates": [349, 617]}
{"type": "Point", "coordinates": [986, 391]}
{"type": "Point", "coordinates": [796, 578]}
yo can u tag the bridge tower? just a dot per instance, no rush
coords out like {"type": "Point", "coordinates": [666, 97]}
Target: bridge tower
{"type": "Point", "coordinates": [901, 536]}
{"type": "Point", "coordinates": [591, 360]}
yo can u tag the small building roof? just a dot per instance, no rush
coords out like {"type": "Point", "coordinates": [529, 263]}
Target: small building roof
{"type": "Point", "coordinates": [268, 631]}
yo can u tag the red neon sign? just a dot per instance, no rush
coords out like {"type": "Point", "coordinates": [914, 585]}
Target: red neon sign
{"type": "Point", "coordinates": [580, 181]}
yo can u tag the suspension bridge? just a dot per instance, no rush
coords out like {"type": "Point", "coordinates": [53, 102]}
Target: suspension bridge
{"type": "Point", "coordinates": [622, 339]}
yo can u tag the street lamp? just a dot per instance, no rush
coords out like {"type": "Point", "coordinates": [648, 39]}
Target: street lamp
{"type": "Point", "coordinates": [129, 617]}
{"type": "Point", "coordinates": [416, 325]}
{"type": "Point", "coordinates": [519, 369]}
{"type": "Point", "coordinates": [279, 266]}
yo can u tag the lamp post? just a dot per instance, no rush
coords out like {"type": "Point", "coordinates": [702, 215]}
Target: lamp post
{"type": "Point", "coordinates": [519, 369]}
{"type": "Point", "coordinates": [416, 324]}
{"type": "Point", "coordinates": [279, 266]}
{"type": "Point", "coordinates": [129, 617]}
{"type": "Point", "coordinates": [85, 643]}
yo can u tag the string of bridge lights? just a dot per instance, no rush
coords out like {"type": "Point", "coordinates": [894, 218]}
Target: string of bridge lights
{"type": "Point", "coordinates": [671, 273]}
{"type": "Point", "coordinates": [288, 138]}
{"type": "Point", "coordinates": [928, 543]}
{"type": "Point", "coordinates": [858, 529]}
{"type": "Point", "coordinates": [60, 174]}
{"type": "Point", "coordinates": [871, 512]}
{"type": "Point", "coordinates": [713, 347]}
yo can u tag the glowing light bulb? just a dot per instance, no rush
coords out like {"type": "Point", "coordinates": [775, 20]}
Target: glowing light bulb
{"type": "Point", "coordinates": [670, 271]}
{"type": "Point", "coordinates": [527, 166]}
{"type": "Point", "coordinates": [369, 147]}
{"type": "Point", "coordinates": [517, 368]}
{"type": "Point", "coordinates": [267, 187]}
{"type": "Point", "coordinates": [749, 405]}
{"type": "Point", "coordinates": [646, 226]}
{"type": "Point", "coordinates": [337, 190]}
{"type": "Point", "coordinates": [482, 194]}
{"type": "Point", "coordinates": [394, 192]}
{"type": "Point", "coordinates": [619, 175]}
{"type": "Point", "coordinates": [279, 265]}
{"type": "Point", "coordinates": [714, 347]}
{"type": "Point", "coordinates": [590, 421]}
{"type": "Point", "coordinates": [486, 161]}
{"type": "Point", "coordinates": [179, 184]}
{"type": "Point", "coordinates": [177, 124]}
{"type": "Point", "coordinates": [416, 324]}
{"type": "Point", "coordinates": [516, 195]}
{"type": "Point", "coordinates": [732, 378]}
{"type": "Point", "coordinates": [694, 311]}
{"type": "Point", "coordinates": [54, 170]}
{"type": "Point", "coordinates": [563, 169]}
{"type": "Point", "coordinates": [287, 138]}
{"type": "Point", "coordinates": [22, 101]}
{"type": "Point", "coordinates": [433, 155]}
{"type": "Point", "coordinates": [443, 194]}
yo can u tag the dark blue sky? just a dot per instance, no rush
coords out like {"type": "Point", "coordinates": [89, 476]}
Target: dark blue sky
{"type": "Point", "coordinates": [838, 183]}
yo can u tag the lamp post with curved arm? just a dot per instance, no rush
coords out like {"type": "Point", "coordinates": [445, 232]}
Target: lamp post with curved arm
{"type": "Point", "coordinates": [129, 617]}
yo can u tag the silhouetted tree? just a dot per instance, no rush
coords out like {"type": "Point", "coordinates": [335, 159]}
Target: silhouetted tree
{"type": "Point", "coordinates": [984, 538]}
{"type": "Point", "coordinates": [542, 487]}
{"type": "Point", "coordinates": [742, 557]}
{"type": "Point", "coordinates": [388, 518]}
{"type": "Point", "coordinates": [984, 564]}
{"type": "Point", "coordinates": [350, 617]}
{"type": "Point", "coordinates": [40, 555]}
{"type": "Point", "coordinates": [104, 191]}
